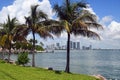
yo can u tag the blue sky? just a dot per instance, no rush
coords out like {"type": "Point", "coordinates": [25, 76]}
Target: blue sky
{"type": "Point", "coordinates": [107, 11]}
{"type": "Point", "coordinates": [101, 7]}
{"type": "Point", "coordinates": [5, 3]}
{"type": "Point", "coordinates": [106, 7]}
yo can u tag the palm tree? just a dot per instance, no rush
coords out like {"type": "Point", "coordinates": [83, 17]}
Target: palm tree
{"type": "Point", "coordinates": [8, 30]}
{"type": "Point", "coordinates": [74, 20]}
{"type": "Point", "coordinates": [34, 26]}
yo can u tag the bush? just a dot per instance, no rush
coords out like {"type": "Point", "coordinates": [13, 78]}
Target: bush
{"type": "Point", "coordinates": [39, 48]}
{"type": "Point", "coordinates": [22, 58]}
{"type": "Point", "coordinates": [2, 61]}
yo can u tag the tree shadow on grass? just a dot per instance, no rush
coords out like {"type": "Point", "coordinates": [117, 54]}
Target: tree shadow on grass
{"type": "Point", "coordinates": [8, 75]}
{"type": "Point", "coordinates": [57, 72]}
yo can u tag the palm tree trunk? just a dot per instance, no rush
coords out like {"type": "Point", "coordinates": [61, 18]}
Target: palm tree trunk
{"type": "Point", "coordinates": [9, 54]}
{"type": "Point", "coordinates": [33, 51]}
{"type": "Point", "coordinates": [67, 3]}
{"type": "Point", "coordinates": [68, 55]}
{"type": "Point", "coordinates": [3, 51]}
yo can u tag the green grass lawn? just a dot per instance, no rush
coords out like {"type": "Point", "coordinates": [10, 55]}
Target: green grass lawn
{"type": "Point", "coordinates": [13, 72]}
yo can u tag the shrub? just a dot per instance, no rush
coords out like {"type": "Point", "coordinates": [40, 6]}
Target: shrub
{"type": "Point", "coordinates": [2, 61]}
{"type": "Point", "coordinates": [23, 58]}
{"type": "Point", "coordinates": [39, 48]}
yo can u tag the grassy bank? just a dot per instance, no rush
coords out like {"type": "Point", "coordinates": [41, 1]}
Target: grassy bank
{"type": "Point", "coordinates": [13, 72]}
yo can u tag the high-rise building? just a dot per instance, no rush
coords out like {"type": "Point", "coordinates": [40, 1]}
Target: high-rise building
{"type": "Point", "coordinates": [78, 45]}
{"type": "Point", "coordinates": [90, 46]}
{"type": "Point", "coordinates": [57, 45]}
{"type": "Point", "coordinates": [71, 45]}
{"type": "Point", "coordinates": [87, 48]}
{"type": "Point", "coordinates": [74, 45]}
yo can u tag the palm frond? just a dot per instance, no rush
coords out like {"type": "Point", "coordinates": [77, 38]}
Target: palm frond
{"type": "Point", "coordinates": [3, 40]}
{"type": "Point", "coordinates": [82, 4]}
{"type": "Point", "coordinates": [86, 33]}
{"type": "Point", "coordinates": [44, 33]}
{"type": "Point", "coordinates": [33, 11]}
{"type": "Point", "coordinates": [79, 24]}
{"type": "Point", "coordinates": [61, 12]}
{"type": "Point", "coordinates": [94, 25]}
{"type": "Point", "coordinates": [49, 22]}
{"type": "Point", "coordinates": [42, 15]}
{"type": "Point", "coordinates": [2, 32]}
{"type": "Point", "coordinates": [87, 17]}
{"type": "Point", "coordinates": [21, 33]}
{"type": "Point", "coordinates": [28, 21]}
{"type": "Point", "coordinates": [67, 26]}
{"type": "Point", "coordinates": [94, 35]}
{"type": "Point", "coordinates": [53, 26]}
{"type": "Point", "coordinates": [76, 7]}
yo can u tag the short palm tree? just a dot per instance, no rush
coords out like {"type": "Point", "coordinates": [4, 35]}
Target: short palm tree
{"type": "Point", "coordinates": [74, 20]}
{"type": "Point", "coordinates": [34, 25]}
{"type": "Point", "coordinates": [7, 34]}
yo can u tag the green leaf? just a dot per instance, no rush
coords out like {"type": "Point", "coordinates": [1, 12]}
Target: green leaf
{"type": "Point", "coordinates": [67, 26]}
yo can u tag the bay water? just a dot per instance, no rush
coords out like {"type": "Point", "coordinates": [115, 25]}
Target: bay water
{"type": "Point", "coordinates": [91, 62]}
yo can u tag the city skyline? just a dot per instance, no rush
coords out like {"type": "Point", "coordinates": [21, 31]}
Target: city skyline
{"type": "Point", "coordinates": [107, 14]}
{"type": "Point", "coordinates": [73, 46]}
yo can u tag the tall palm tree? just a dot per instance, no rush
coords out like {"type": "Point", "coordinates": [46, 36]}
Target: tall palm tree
{"type": "Point", "coordinates": [74, 20]}
{"type": "Point", "coordinates": [34, 26]}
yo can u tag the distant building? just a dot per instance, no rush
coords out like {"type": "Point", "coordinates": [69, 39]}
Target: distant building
{"type": "Point", "coordinates": [51, 46]}
{"type": "Point", "coordinates": [71, 45]}
{"type": "Point", "coordinates": [78, 45]}
{"type": "Point", "coordinates": [58, 44]}
{"type": "Point", "coordinates": [74, 45]}
{"type": "Point", "coordinates": [64, 47]}
{"type": "Point", "coordinates": [90, 46]}
{"type": "Point", "coordinates": [87, 48]}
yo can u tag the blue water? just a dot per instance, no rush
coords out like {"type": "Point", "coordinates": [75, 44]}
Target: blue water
{"type": "Point", "coordinates": [103, 62]}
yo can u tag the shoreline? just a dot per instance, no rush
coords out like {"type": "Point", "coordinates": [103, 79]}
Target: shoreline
{"type": "Point", "coordinates": [38, 73]}
{"type": "Point", "coordinates": [99, 77]}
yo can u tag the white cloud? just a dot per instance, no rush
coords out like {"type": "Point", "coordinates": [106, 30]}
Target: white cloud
{"type": "Point", "coordinates": [110, 34]}
{"type": "Point", "coordinates": [21, 8]}
{"type": "Point", "coordinates": [114, 30]}
{"type": "Point", "coordinates": [106, 19]}
{"type": "Point", "coordinates": [89, 8]}
{"type": "Point", "coordinates": [114, 26]}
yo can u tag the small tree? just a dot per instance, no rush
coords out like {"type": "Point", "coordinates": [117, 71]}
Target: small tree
{"type": "Point", "coordinates": [23, 58]}
{"type": "Point", "coordinates": [39, 48]}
